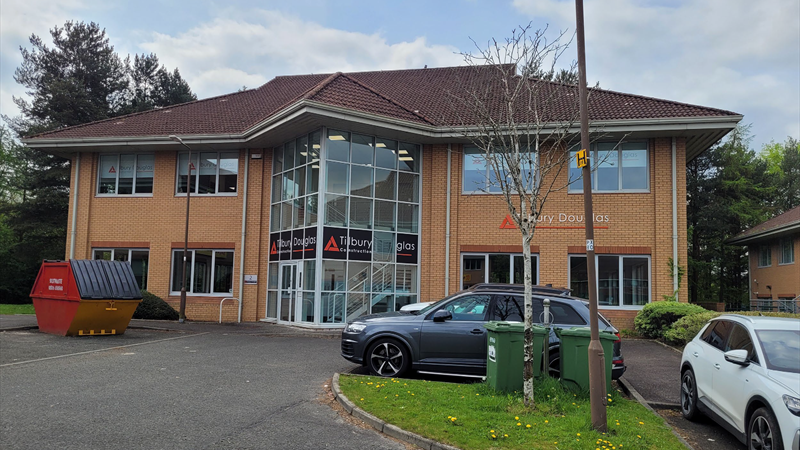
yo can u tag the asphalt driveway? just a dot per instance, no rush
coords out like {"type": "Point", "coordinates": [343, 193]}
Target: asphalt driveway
{"type": "Point", "coordinates": [654, 373]}
{"type": "Point", "coordinates": [194, 387]}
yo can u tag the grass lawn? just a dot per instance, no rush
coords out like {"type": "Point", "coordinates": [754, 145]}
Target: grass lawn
{"type": "Point", "coordinates": [473, 416]}
{"type": "Point", "coordinates": [17, 309]}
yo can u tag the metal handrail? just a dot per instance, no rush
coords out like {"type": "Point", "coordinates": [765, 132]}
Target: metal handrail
{"type": "Point", "coordinates": [222, 301]}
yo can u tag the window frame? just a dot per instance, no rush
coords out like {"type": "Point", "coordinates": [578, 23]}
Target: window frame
{"type": "Point", "coordinates": [100, 156]}
{"type": "Point", "coordinates": [190, 266]}
{"type": "Point", "coordinates": [510, 266]}
{"type": "Point", "coordinates": [620, 268]}
{"type": "Point", "coordinates": [783, 244]}
{"type": "Point", "coordinates": [489, 173]}
{"type": "Point", "coordinates": [197, 154]}
{"type": "Point", "coordinates": [130, 253]}
{"type": "Point", "coordinates": [761, 253]}
{"type": "Point", "coordinates": [576, 187]}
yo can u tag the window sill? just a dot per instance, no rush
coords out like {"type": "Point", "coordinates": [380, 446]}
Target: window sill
{"type": "Point", "coordinates": [213, 294]}
{"type": "Point", "coordinates": [234, 194]}
{"type": "Point", "coordinates": [786, 263]}
{"type": "Point", "coordinates": [632, 191]}
{"type": "Point", "coordinates": [123, 195]}
{"type": "Point", "coordinates": [621, 308]}
{"type": "Point", "coordinates": [763, 267]}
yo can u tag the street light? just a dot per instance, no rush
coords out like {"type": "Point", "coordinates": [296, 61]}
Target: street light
{"type": "Point", "coordinates": [182, 309]}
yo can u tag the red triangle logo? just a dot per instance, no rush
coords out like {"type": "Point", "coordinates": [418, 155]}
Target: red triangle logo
{"type": "Point", "coordinates": [273, 250]}
{"type": "Point", "coordinates": [508, 224]}
{"type": "Point", "coordinates": [191, 166]}
{"type": "Point", "coordinates": [112, 170]}
{"type": "Point", "coordinates": [331, 246]}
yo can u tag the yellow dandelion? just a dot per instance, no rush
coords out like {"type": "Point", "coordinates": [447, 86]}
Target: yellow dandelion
{"type": "Point", "coordinates": [519, 424]}
{"type": "Point", "coordinates": [494, 437]}
{"type": "Point", "coordinates": [546, 421]}
{"type": "Point", "coordinates": [516, 418]}
{"type": "Point", "coordinates": [528, 426]}
{"type": "Point", "coordinates": [610, 401]}
{"type": "Point", "coordinates": [638, 436]}
{"type": "Point", "coordinates": [579, 434]}
{"type": "Point", "coordinates": [362, 399]}
{"type": "Point", "coordinates": [505, 435]}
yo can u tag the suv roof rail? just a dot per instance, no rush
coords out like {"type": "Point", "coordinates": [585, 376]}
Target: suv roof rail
{"type": "Point", "coordinates": [537, 289]}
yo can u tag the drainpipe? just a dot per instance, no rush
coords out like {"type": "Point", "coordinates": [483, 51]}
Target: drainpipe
{"type": "Point", "coordinates": [674, 220]}
{"type": "Point", "coordinates": [244, 231]}
{"type": "Point", "coordinates": [447, 226]}
{"type": "Point", "coordinates": [74, 232]}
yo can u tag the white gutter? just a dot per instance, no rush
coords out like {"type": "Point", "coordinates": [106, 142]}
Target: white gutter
{"type": "Point", "coordinates": [244, 231]}
{"type": "Point", "coordinates": [73, 231]}
{"type": "Point", "coordinates": [447, 226]}
{"type": "Point", "coordinates": [674, 220]}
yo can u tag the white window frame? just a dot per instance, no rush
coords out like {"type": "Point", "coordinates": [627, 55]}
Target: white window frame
{"type": "Point", "coordinates": [475, 190]}
{"type": "Point", "coordinates": [190, 269]}
{"type": "Point", "coordinates": [130, 252]}
{"type": "Point", "coordinates": [784, 244]}
{"type": "Point", "coordinates": [576, 187]}
{"type": "Point", "coordinates": [620, 295]}
{"type": "Point", "coordinates": [762, 252]}
{"type": "Point", "coordinates": [116, 185]}
{"type": "Point", "coordinates": [217, 193]}
{"type": "Point", "coordinates": [486, 266]}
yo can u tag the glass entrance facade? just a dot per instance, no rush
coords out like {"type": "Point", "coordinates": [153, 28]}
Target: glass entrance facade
{"type": "Point", "coordinates": [347, 207]}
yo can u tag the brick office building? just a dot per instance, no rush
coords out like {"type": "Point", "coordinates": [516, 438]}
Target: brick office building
{"type": "Point", "coordinates": [331, 192]}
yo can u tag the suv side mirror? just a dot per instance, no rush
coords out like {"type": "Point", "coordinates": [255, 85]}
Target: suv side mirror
{"type": "Point", "coordinates": [442, 315]}
{"type": "Point", "coordinates": [737, 357]}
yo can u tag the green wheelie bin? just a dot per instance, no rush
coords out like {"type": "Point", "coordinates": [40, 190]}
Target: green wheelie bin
{"type": "Point", "coordinates": [574, 356]}
{"type": "Point", "coordinates": [505, 353]}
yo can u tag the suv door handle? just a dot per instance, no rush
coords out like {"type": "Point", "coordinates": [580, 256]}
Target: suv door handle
{"type": "Point", "coordinates": [695, 354]}
{"type": "Point", "coordinates": [716, 366]}
{"type": "Point", "coordinates": [477, 331]}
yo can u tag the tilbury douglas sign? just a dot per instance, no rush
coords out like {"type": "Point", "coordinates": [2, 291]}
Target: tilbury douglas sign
{"type": "Point", "coordinates": [340, 243]}
{"type": "Point", "coordinates": [560, 220]}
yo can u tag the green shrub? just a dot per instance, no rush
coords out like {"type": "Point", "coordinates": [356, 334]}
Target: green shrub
{"type": "Point", "coordinates": [655, 318]}
{"type": "Point", "coordinates": [687, 327]}
{"type": "Point", "coordinates": [154, 307]}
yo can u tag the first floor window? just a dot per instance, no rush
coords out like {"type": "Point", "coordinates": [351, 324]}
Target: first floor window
{"type": "Point", "coordinates": [137, 258]}
{"type": "Point", "coordinates": [125, 174]}
{"type": "Point", "coordinates": [496, 268]}
{"type": "Point", "coordinates": [621, 280]}
{"type": "Point", "coordinates": [207, 271]}
{"type": "Point", "coordinates": [764, 256]}
{"type": "Point", "coordinates": [615, 167]}
{"type": "Point", "coordinates": [212, 173]}
{"type": "Point", "coordinates": [480, 176]}
{"type": "Point", "coordinates": [787, 251]}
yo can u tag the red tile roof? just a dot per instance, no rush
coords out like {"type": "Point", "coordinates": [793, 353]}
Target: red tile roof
{"type": "Point", "coordinates": [790, 220]}
{"type": "Point", "coordinates": [424, 96]}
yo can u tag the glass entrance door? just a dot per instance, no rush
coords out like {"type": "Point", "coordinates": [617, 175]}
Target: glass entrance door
{"type": "Point", "coordinates": [290, 282]}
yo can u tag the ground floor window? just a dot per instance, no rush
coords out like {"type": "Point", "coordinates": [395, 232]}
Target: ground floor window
{"type": "Point", "coordinates": [621, 280]}
{"type": "Point", "coordinates": [137, 258]}
{"type": "Point", "coordinates": [495, 268]}
{"type": "Point", "coordinates": [207, 272]}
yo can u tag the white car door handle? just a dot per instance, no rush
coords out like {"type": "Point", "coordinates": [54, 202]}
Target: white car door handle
{"type": "Point", "coordinates": [695, 354]}
{"type": "Point", "coordinates": [716, 366]}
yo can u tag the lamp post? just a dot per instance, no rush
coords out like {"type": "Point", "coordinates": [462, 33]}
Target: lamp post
{"type": "Point", "coordinates": [182, 309]}
{"type": "Point", "coordinates": [597, 378]}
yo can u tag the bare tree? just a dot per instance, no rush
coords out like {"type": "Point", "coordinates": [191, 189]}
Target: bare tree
{"type": "Point", "coordinates": [524, 128]}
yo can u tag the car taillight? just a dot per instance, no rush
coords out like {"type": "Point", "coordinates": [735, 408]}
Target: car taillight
{"type": "Point", "coordinates": [619, 338]}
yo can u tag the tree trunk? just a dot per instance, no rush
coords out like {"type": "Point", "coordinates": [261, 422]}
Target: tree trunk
{"type": "Point", "coordinates": [527, 371]}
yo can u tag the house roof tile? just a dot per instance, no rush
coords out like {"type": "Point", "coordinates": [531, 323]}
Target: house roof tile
{"type": "Point", "coordinates": [422, 96]}
{"type": "Point", "coordinates": [790, 220]}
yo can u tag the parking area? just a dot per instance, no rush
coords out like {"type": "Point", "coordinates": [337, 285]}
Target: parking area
{"type": "Point", "coordinates": [205, 386]}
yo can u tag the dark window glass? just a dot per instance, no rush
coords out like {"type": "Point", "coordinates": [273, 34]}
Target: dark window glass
{"type": "Point", "coordinates": [781, 348]}
{"type": "Point", "coordinates": [740, 340]}
{"type": "Point", "coordinates": [579, 276]}
{"type": "Point", "coordinates": [386, 153]}
{"type": "Point", "coordinates": [608, 280]}
{"type": "Point", "coordinates": [499, 268]}
{"type": "Point", "coordinates": [409, 157]}
{"type": "Point", "coordinates": [564, 314]}
{"type": "Point", "coordinates": [126, 171]}
{"type": "Point", "coordinates": [717, 337]}
{"type": "Point", "coordinates": [474, 272]}
{"type": "Point", "coordinates": [469, 307]}
{"type": "Point", "coordinates": [509, 308]}
{"type": "Point", "coordinates": [338, 145]}
{"type": "Point", "coordinates": [362, 150]}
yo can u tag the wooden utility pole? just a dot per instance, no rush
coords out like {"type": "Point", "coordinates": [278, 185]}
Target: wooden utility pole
{"type": "Point", "coordinates": [597, 366]}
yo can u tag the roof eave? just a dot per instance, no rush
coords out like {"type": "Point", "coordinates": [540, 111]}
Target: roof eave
{"type": "Point", "coordinates": [783, 230]}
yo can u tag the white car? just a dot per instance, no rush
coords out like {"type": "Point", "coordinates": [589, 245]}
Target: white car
{"type": "Point", "coordinates": [744, 373]}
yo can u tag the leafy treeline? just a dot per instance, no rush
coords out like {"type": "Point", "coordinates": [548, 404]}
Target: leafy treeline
{"type": "Point", "coordinates": [79, 79]}
{"type": "Point", "coordinates": [731, 188]}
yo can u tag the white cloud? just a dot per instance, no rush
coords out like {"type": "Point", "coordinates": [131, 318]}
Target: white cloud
{"type": "Point", "coordinates": [731, 54]}
{"type": "Point", "coordinates": [234, 51]}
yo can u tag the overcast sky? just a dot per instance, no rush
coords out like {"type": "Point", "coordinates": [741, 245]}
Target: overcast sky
{"type": "Point", "coordinates": [737, 55]}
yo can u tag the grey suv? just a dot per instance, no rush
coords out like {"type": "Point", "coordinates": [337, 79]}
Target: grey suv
{"type": "Point", "coordinates": [448, 337]}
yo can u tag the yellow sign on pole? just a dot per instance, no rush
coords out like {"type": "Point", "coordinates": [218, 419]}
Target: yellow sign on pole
{"type": "Point", "coordinates": [583, 158]}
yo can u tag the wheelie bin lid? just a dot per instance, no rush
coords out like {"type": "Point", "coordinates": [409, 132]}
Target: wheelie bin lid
{"type": "Point", "coordinates": [584, 332]}
{"type": "Point", "coordinates": [512, 327]}
{"type": "Point", "coordinates": [99, 279]}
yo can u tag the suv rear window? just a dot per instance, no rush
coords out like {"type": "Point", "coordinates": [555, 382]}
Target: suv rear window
{"type": "Point", "coordinates": [565, 314]}
{"type": "Point", "coordinates": [717, 334]}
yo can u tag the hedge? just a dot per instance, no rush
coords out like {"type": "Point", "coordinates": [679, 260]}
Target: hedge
{"type": "Point", "coordinates": [154, 307]}
{"type": "Point", "coordinates": [655, 318]}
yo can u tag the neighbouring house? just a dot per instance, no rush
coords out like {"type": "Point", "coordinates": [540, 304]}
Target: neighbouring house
{"type": "Point", "coordinates": [773, 247]}
{"type": "Point", "coordinates": [318, 198]}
